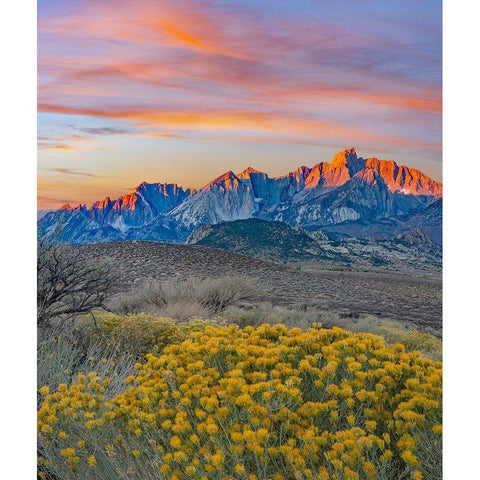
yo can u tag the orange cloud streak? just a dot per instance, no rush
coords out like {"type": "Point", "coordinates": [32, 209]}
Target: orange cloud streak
{"type": "Point", "coordinates": [240, 120]}
{"type": "Point", "coordinates": [57, 146]}
{"type": "Point", "coordinates": [220, 70]}
{"type": "Point", "coordinates": [204, 31]}
{"type": "Point", "coordinates": [182, 36]}
{"type": "Point", "coordinates": [261, 89]}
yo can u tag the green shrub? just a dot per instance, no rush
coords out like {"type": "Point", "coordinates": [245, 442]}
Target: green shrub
{"type": "Point", "coordinates": [395, 332]}
{"type": "Point", "coordinates": [138, 334]}
{"type": "Point", "coordinates": [304, 316]}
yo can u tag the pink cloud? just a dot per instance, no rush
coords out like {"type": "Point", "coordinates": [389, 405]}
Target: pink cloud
{"type": "Point", "coordinates": [188, 65]}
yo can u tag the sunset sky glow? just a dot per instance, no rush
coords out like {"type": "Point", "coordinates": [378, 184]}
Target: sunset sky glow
{"type": "Point", "coordinates": [182, 91]}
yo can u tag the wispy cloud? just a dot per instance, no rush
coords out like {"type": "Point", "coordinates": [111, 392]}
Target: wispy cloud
{"type": "Point", "coordinates": [305, 126]}
{"type": "Point", "coordinates": [101, 130]}
{"type": "Point", "coordinates": [55, 146]}
{"type": "Point", "coordinates": [51, 200]}
{"type": "Point", "coordinates": [305, 73]}
{"type": "Point", "coordinates": [170, 136]}
{"type": "Point", "coordinates": [68, 171]}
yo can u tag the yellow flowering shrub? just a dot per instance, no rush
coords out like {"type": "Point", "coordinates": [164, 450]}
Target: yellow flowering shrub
{"type": "Point", "coordinates": [266, 402]}
{"type": "Point", "coordinates": [141, 333]}
{"type": "Point", "coordinates": [395, 332]}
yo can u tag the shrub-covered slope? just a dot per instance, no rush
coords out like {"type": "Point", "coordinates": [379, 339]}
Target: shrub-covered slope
{"type": "Point", "coordinates": [259, 238]}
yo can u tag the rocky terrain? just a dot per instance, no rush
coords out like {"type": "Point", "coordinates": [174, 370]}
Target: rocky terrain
{"type": "Point", "coordinates": [429, 219]}
{"type": "Point", "coordinates": [365, 196]}
{"type": "Point", "coordinates": [387, 295]}
{"type": "Point", "coordinates": [412, 252]}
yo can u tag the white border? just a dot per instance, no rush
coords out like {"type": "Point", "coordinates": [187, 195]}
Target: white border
{"type": "Point", "coordinates": [18, 233]}
{"type": "Point", "coordinates": [461, 170]}
{"type": "Point", "coordinates": [461, 247]}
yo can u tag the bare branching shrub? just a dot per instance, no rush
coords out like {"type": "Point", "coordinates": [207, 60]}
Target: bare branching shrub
{"type": "Point", "coordinates": [67, 283]}
{"type": "Point", "coordinates": [184, 299]}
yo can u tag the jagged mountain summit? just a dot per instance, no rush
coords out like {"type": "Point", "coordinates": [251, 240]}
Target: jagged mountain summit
{"type": "Point", "coordinates": [347, 189]}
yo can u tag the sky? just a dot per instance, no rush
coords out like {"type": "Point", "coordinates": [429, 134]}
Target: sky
{"type": "Point", "coordinates": [182, 91]}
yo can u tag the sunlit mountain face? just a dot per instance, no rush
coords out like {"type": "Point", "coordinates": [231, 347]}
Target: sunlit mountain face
{"type": "Point", "coordinates": [347, 189]}
{"type": "Point", "coordinates": [181, 91]}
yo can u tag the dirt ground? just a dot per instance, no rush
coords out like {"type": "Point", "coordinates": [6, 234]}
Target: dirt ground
{"type": "Point", "coordinates": [416, 299]}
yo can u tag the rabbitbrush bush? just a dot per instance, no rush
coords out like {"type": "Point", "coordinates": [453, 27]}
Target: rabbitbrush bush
{"type": "Point", "coordinates": [139, 333]}
{"type": "Point", "coordinates": [253, 403]}
{"type": "Point", "coordinates": [304, 317]}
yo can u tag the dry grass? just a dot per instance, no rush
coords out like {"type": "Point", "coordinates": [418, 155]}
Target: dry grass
{"type": "Point", "coordinates": [62, 353]}
{"type": "Point", "coordinates": [254, 315]}
{"type": "Point", "coordinates": [183, 300]}
{"type": "Point", "coordinates": [226, 300]}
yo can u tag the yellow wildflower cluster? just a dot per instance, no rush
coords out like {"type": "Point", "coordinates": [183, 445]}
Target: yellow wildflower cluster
{"type": "Point", "coordinates": [261, 403]}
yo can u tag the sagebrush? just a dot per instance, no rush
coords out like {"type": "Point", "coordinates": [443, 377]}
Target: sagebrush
{"type": "Point", "coordinates": [185, 299]}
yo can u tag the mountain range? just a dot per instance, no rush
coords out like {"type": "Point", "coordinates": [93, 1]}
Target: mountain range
{"type": "Point", "coordinates": [281, 243]}
{"type": "Point", "coordinates": [349, 196]}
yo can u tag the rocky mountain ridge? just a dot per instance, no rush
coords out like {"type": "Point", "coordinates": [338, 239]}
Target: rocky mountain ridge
{"type": "Point", "coordinates": [348, 189]}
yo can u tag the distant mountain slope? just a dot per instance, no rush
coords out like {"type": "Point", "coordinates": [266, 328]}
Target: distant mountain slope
{"type": "Point", "coordinates": [269, 240]}
{"type": "Point", "coordinates": [429, 219]}
{"type": "Point", "coordinates": [279, 242]}
{"type": "Point", "coordinates": [348, 189]}
{"type": "Point", "coordinates": [136, 215]}
{"type": "Point", "coordinates": [42, 213]}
